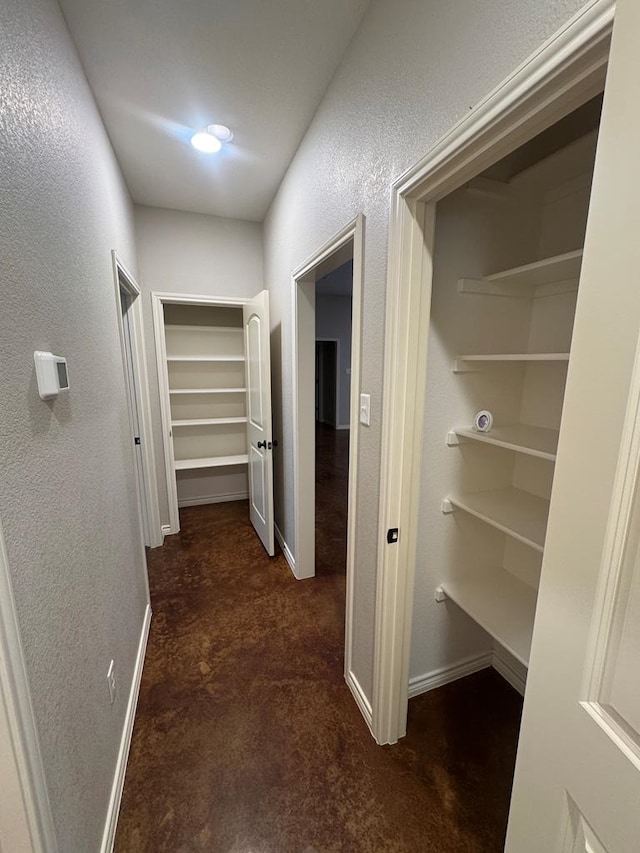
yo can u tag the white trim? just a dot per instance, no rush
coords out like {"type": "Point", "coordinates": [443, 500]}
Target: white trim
{"type": "Point", "coordinates": [567, 70]}
{"type": "Point", "coordinates": [21, 767]}
{"type": "Point", "coordinates": [158, 301]}
{"type": "Point", "coordinates": [510, 669]}
{"type": "Point", "coordinates": [285, 550]}
{"type": "Point", "coordinates": [446, 674]}
{"type": "Point", "coordinates": [215, 499]}
{"type": "Point", "coordinates": [123, 278]}
{"type": "Point", "coordinates": [359, 695]}
{"type": "Point", "coordinates": [113, 811]}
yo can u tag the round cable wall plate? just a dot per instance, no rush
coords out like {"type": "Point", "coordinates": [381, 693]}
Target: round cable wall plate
{"type": "Point", "coordinates": [483, 421]}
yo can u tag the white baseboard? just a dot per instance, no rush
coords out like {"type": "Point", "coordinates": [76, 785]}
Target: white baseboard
{"type": "Point", "coordinates": [109, 834]}
{"type": "Point", "coordinates": [510, 669]}
{"type": "Point", "coordinates": [343, 426]}
{"type": "Point", "coordinates": [361, 700]}
{"type": "Point", "coordinates": [214, 499]}
{"type": "Point", "coordinates": [445, 674]}
{"type": "Point", "coordinates": [285, 549]}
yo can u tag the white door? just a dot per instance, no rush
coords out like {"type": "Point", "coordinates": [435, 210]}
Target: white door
{"type": "Point", "coordinates": [259, 435]}
{"type": "Point", "coordinates": [134, 410]}
{"type": "Point", "coordinates": [577, 782]}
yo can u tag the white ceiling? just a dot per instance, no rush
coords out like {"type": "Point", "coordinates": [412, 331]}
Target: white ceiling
{"type": "Point", "coordinates": [160, 69]}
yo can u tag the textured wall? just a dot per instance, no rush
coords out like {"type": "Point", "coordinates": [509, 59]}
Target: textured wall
{"type": "Point", "coordinates": [333, 320]}
{"type": "Point", "coordinates": [67, 492]}
{"type": "Point", "coordinates": [413, 68]}
{"type": "Point", "coordinates": [190, 253]}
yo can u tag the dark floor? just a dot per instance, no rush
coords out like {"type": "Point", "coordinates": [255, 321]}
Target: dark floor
{"type": "Point", "coordinates": [247, 739]}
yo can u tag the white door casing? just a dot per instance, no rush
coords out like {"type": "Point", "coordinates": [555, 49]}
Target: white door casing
{"type": "Point", "coordinates": [131, 333]}
{"type": "Point", "coordinates": [259, 427]}
{"type": "Point", "coordinates": [577, 783]}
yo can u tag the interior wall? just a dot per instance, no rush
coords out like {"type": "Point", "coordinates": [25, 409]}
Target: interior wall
{"type": "Point", "coordinates": [333, 320]}
{"type": "Point", "coordinates": [190, 253]}
{"type": "Point", "coordinates": [67, 490]}
{"type": "Point", "coordinates": [412, 70]}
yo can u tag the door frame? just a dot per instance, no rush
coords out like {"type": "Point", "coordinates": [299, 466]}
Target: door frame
{"type": "Point", "coordinates": [26, 820]}
{"type": "Point", "coordinates": [148, 501]}
{"type": "Point", "coordinates": [568, 69]}
{"type": "Point", "coordinates": [335, 341]}
{"type": "Point", "coordinates": [158, 301]}
{"type": "Point", "coordinates": [303, 282]}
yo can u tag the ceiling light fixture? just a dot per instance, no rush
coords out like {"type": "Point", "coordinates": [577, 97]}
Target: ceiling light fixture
{"type": "Point", "coordinates": [211, 138]}
{"type": "Point", "coordinates": [205, 142]}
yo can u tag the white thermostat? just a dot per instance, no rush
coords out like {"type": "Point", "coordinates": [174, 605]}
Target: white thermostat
{"type": "Point", "coordinates": [51, 373]}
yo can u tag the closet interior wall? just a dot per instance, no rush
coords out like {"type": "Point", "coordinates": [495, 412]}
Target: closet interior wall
{"type": "Point", "coordinates": [483, 507]}
{"type": "Point", "coordinates": [207, 401]}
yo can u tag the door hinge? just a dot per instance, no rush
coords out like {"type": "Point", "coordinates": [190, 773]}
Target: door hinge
{"type": "Point", "coordinates": [136, 440]}
{"type": "Point", "coordinates": [392, 535]}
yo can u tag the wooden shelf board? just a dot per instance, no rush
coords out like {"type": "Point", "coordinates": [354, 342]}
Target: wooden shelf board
{"type": "Point", "coordinates": [187, 328]}
{"type": "Point", "coordinates": [210, 462]}
{"type": "Point", "coordinates": [501, 604]}
{"type": "Point", "coordinates": [205, 358]}
{"type": "Point", "coordinates": [530, 440]}
{"type": "Point", "coordinates": [546, 271]}
{"type": "Point", "coordinates": [207, 421]}
{"type": "Point", "coordinates": [513, 511]}
{"type": "Point", "coordinates": [207, 390]}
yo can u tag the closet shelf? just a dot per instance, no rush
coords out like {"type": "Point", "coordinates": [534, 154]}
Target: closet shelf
{"type": "Point", "coordinates": [523, 280]}
{"type": "Point", "coordinates": [205, 358]}
{"type": "Point", "coordinates": [530, 440]}
{"type": "Point", "coordinates": [501, 604]}
{"type": "Point", "coordinates": [207, 421]}
{"type": "Point", "coordinates": [207, 390]}
{"type": "Point", "coordinates": [465, 362]}
{"type": "Point", "coordinates": [517, 513]}
{"type": "Point", "coordinates": [213, 329]}
{"type": "Point", "coordinates": [210, 462]}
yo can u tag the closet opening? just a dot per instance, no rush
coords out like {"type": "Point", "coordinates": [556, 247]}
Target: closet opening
{"type": "Point", "coordinates": [215, 394]}
{"type": "Point", "coordinates": [506, 265]}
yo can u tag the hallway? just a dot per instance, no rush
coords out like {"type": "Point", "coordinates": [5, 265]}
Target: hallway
{"type": "Point", "coordinates": [247, 738]}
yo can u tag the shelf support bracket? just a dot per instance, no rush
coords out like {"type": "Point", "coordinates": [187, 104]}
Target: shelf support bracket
{"type": "Point", "coordinates": [446, 506]}
{"type": "Point", "coordinates": [452, 438]}
{"type": "Point", "coordinates": [440, 595]}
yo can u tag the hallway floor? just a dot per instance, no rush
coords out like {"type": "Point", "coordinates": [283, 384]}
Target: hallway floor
{"type": "Point", "coordinates": [247, 739]}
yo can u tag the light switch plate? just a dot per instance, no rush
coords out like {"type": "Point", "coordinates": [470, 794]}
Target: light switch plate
{"type": "Point", "coordinates": [365, 409]}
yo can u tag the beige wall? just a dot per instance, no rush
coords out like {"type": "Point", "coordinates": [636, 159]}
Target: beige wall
{"type": "Point", "coordinates": [67, 491]}
{"type": "Point", "coordinates": [191, 253]}
{"type": "Point", "coordinates": [413, 68]}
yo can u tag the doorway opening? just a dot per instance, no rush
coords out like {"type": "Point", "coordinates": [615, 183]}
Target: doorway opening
{"type": "Point", "coordinates": [327, 300]}
{"type": "Point", "coordinates": [333, 422]}
{"type": "Point", "coordinates": [130, 327]}
{"type": "Point", "coordinates": [518, 110]}
{"type": "Point", "coordinates": [214, 377]}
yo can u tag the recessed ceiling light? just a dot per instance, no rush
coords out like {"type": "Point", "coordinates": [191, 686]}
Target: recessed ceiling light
{"type": "Point", "coordinates": [206, 142]}
{"type": "Point", "coordinates": [221, 132]}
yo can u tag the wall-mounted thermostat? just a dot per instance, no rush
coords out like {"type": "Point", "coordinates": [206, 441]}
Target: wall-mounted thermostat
{"type": "Point", "coordinates": [51, 373]}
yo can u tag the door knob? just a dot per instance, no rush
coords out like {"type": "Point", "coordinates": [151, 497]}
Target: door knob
{"type": "Point", "coordinates": [262, 444]}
